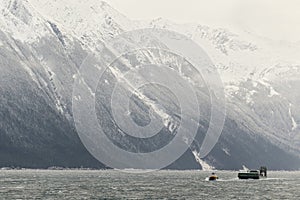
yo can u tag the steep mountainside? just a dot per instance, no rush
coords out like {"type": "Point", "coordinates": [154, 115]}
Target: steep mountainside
{"type": "Point", "coordinates": [44, 42]}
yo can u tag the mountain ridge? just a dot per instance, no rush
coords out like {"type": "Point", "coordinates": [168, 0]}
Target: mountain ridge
{"type": "Point", "coordinates": [50, 47]}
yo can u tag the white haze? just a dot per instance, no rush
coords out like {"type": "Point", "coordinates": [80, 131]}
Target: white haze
{"type": "Point", "coordinates": [278, 20]}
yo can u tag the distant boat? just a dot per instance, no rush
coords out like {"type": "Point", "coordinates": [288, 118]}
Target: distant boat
{"type": "Point", "coordinates": [253, 174]}
{"type": "Point", "coordinates": [213, 177]}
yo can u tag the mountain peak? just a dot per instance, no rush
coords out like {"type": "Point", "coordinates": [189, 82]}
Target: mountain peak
{"type": "Point", "coordinates": [85, 18]}
{"type": "Point", "coordinates": [21, 20]}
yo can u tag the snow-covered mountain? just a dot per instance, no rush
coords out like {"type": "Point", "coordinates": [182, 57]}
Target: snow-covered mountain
{"type": "Point", "coordinates": [43, 43]}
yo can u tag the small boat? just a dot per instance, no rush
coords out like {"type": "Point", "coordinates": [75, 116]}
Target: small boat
{"type": "Point", "coordinates": [213, 177]}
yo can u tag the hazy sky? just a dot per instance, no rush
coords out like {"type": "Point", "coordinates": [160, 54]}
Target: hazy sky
{"type": "Point", "coordinates": [277, 19]}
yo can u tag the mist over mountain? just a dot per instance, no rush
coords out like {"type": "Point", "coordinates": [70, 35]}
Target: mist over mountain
{"type": "Point", "coordinates": [44, 42]}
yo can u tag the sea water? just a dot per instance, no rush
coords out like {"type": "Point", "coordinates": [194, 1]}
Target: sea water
{"type": "Point", "coordinates": [113, 184]}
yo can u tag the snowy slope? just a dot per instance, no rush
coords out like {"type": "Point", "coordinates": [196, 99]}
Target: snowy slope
{"type": "Point", "coordinates": [43, 43]}
{"type": "Point", "coordinates": [258, 73]}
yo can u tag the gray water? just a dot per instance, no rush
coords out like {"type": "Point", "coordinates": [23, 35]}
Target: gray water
{"type": "Point", "coordinates": [110, 184]}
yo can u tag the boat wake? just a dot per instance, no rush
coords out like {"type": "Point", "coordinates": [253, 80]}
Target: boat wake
{"type": "Point", "coordinates": [241, 180]}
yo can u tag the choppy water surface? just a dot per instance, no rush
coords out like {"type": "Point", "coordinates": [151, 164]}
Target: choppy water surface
{"type": "Point", "coordinates": [110, 184]}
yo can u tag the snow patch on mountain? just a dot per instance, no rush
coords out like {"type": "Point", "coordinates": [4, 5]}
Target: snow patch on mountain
{"type": "Point", "coordinates": [205, 166]}
{"type": "Point", "coordinates": [273, 92]}
{"type": "Point", "coordinates": [294, 123]}
{"type": "Point", "coordinates": [248, 97]}
{"type": "Point", "coordinates": [226, 151]}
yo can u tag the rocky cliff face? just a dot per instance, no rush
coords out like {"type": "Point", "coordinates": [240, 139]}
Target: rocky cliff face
{"type": "Point", "coordinates": [43, 44]}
